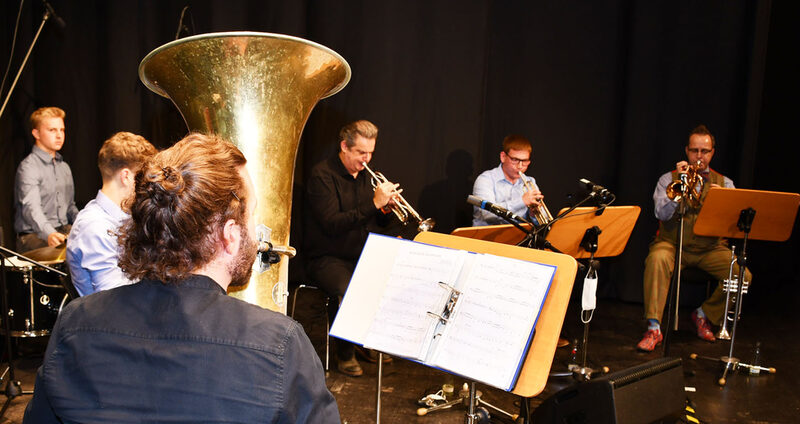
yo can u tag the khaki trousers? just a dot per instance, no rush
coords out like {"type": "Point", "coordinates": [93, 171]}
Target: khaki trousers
{"type": "Point", "coordinates": [658, 272]}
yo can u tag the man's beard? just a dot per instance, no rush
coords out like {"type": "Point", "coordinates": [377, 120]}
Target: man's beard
{"type": "Point", "coordinates": [242, 267]}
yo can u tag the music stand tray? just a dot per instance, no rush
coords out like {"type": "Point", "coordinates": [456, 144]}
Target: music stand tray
{"type": "Point", "coordinates": [745, 214]}
{"type": "Point", "coordinates": [773, 222]}
{"type": "Point", "coordinates": [616, 223]}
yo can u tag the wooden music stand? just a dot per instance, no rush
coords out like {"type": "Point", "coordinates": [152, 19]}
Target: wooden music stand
{"type": "Point", "coordinates": [616, 223]}
{"type": "Point", "coordinates": [535, 370]}
{"type": "Point", "coordinates": [732, 213]}
{"type": "Point", "coordinates": [581, 234]}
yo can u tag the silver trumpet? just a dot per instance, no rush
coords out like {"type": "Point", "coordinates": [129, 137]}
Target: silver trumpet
{"type": "Point", "coordinates": [401, 208]}
{"type": "Point", "coordinates": [541, 213]}
{"type": "Point", "coordinates": [731, 289]}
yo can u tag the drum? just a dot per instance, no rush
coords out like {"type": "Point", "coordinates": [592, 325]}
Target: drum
{"type": "Point", "coordinates": [35, 298]}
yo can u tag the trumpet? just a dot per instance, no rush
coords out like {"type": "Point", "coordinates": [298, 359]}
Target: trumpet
{"type": "Point", "coordinates": [688, 187]}
{"type": "Point", "coordinates": [401, 208]}
{"type": "Point", "coordinates": [731, 289]}
{"type": "Point", "coordinates": [541, 213]}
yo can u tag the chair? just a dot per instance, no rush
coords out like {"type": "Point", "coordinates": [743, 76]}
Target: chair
{"type": "Point", "coordinates": [327, 320]}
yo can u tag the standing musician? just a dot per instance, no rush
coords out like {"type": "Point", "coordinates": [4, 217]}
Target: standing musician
{"type": "Point", "coordinates": [44, 193]}
{"type": "Point", "coordinates": [344, 208]}
{"type": "Point", "coordinates": [92, 244]}
{"type": "Point", "coordinates": [710, 254]}
{"type": "Point", "coordinates": [174, 347]}
{"type": "Point", "coordinates": [506, 184]}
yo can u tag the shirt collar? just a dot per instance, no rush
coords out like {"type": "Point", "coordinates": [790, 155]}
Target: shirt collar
{"type": "Point", "coordinates": [110, 207]}
{"type": "Point", "coordinates": [44, 156]}
{"type": "Point", "coordinates": [194, 281]}
{"type": "Point", "coordinates": [500, 176]}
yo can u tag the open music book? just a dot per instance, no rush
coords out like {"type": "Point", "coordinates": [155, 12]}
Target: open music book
{"type": "Point", "coordinates": [466, 313]}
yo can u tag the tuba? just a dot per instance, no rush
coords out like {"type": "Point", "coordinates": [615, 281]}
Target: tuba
{"type": "Point", "coordinates": [256, 90]}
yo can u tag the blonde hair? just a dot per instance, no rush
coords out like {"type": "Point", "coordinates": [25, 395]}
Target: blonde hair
{"type": "Point", "coordinates": [42, 113]}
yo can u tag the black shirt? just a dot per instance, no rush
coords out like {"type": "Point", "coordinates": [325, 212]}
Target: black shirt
{"type": "Point", "coordinates": [186, 352]}
{"type": "Point", "coordinates": [341, 211]}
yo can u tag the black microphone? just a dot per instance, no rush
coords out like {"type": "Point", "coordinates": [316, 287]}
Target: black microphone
{"type": "Point", "coordinates": [60, 22]}
{"type": "Point", "coordinates": [596, 189]}
{"type": "Point", "coordinates": [491, 207]}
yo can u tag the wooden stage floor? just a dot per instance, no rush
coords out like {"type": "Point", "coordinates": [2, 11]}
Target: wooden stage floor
{"type": "Point", "coordinates": [614, 331]}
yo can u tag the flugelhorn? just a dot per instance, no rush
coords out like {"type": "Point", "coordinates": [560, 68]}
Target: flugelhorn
{"type": "Point", "coordinates": [688, 187]}
{"type": "Point", "coordinates": [401, 208]}
{"type": "Point", "coordinates": [541, 213]}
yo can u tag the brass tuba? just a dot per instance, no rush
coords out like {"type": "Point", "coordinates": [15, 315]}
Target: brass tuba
{"type": "Point", "coordinates": [256, 90]}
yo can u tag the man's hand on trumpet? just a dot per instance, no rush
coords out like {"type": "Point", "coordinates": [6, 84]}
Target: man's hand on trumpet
{"type": "Point", "coordinates": [532, 198]}
{"type": "Point", "coordinates": [385, 193]}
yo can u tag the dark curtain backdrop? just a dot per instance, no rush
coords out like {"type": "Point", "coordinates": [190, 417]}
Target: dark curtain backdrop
{"type": "Point", "coordinates": [606, 91]}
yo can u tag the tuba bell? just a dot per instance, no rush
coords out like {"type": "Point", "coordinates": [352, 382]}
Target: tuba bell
{"type": "Point", "coordinates": [256, 90]}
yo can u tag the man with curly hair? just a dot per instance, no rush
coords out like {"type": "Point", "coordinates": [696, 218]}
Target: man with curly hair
{"type": "Point", "coordinates": [174, 347]}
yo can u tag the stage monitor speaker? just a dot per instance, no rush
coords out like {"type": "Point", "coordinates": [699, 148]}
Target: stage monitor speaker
{"type": "Point", "coordinates": [646, 393]}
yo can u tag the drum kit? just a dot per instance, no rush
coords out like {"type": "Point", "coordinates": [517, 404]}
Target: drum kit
{"type": "Point", "coordinates": [36, 294]}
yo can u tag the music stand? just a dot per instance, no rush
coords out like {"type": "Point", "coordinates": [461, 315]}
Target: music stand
{"type": "Point", "coordinates": [581, 233]}
{"type": "Point", "coordinates": [731, 213]}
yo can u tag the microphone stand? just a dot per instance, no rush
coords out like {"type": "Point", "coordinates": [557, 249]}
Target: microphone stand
{"type": "Point", "coordinates": [537, 238]}
{"type": "Point", "coordinates": [45, 17]}
{"type": "Point", "coordinates": [675, 282]}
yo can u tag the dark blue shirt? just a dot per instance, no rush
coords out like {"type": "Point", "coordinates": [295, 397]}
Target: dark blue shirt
{"type": "Point", "coordinates": [151, 352]}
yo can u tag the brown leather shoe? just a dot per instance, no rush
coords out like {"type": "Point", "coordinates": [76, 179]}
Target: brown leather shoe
{"type": "Point", "coordinates": [350, 367]}
{"type": "Point", "coordinates": [562, 342]}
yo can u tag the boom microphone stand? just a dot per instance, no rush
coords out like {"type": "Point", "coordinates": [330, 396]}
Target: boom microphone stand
{"type": "Point", "coordinates": [48, 13]}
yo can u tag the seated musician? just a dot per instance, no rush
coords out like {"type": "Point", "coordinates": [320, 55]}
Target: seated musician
{"type": "Point", "coordinates": [343, 208]}
{"type": "Point", "coordinates": [504, 185]}
{"type": "Point", "coordinates": [92, 244]}
{"type": "Point", "coordinates": [710, 254]}
{"type": "Point", "coordinates": [44, 193]}
{"type": "Point", "coordinates": [174, 347]}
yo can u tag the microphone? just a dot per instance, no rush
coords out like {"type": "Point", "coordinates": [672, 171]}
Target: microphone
{"type": "Point", "coordinates": [596, 189]}
{"type": "Point", "coordinates": [491, 207]}
{"type": "Point", "coordinates": [60, 22]}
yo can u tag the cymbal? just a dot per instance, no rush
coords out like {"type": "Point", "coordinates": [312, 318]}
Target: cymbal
{"type": "Point", "coordinates": [48, 254]}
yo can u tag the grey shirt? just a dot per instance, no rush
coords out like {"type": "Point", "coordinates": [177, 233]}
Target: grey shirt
{"type": "Point", "coordinates": [44, 194]}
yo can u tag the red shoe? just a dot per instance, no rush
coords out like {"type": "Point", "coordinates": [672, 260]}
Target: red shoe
{"type": "Point", "coordinates": [703, 327]}
{"type": "Point", "coordinates": [651, 339]}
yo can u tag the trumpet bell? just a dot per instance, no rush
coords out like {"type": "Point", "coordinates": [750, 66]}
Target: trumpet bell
{"type": "Point", "coordinates": [256, 90]}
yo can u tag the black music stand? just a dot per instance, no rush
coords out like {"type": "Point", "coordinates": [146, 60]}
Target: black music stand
{"type": "Point", "coordinates": [731, 213]}
{"type": "Point", "coordinates": [13, 387]}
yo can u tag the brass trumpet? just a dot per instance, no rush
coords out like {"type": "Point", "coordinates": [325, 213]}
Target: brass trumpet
{"type": "Point", "coordinates": [688, 187]}
{"type": "Point", "coordinates": [401, 208]}
{"type": "Point", "coordinates": [541, 213]}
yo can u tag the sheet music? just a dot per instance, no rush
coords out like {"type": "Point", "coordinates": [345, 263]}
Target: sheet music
{"type": "Point", "coordinates": [402, 325]}
{"type": "Point", "coordinates": [492, 323]}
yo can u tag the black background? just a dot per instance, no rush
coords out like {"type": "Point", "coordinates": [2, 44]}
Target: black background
{"type": "Point", "coordinates": [606, 90]}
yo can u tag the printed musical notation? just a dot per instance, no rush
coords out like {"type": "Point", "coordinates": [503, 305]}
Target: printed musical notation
{"type": "Point", "coordinates": [468, 313]}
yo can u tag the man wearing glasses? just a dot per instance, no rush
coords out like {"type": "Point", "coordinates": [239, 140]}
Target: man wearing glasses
{"type": "Point", "coordinates": [710, 254]}
{"type": "Point", "coordinates": [504, 186]}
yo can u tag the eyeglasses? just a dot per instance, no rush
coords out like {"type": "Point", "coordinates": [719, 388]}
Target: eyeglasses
{"type": "Point", "coordinates": [703, 151]}
{"type": "Point", "coordinates": [517, 161]}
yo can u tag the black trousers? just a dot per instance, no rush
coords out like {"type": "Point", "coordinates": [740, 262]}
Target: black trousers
{"type": "Point", "coordinates": [332, 275]}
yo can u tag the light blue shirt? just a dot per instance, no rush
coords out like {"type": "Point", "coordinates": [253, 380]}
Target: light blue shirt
{"type": "Point", "coordinates": [493, 186]}
{"type": "Point", "coordinates": [92, 248]}
{"type": "Point", "coordinates": [664, 206]}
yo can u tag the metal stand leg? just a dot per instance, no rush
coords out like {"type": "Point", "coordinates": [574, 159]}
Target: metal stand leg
{"type": "Point", "coordinates": [378, 396]}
